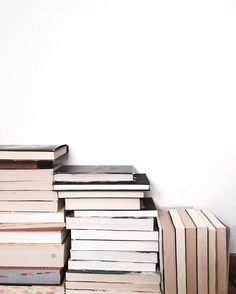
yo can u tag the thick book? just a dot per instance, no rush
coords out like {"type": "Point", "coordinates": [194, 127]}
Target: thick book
{"type": "Point", "coordinates": [55, 235]}
{"type": "Point", "coordinates": [26, 186]}
{"type": "Point", "coordinates": [142, 246]}
{"type": "Point", "coordinates": [35, 255]}
{"type": "Point", "coordinates": [32, 152]}
{"type": "Point", "coordinates": [147, 209]}
{"type": "Point", "coordinates": [180, 251]}
{"type": "Point", "coordinates": [44, 289]}
{"type": "Point", "coordinates": [31, 206]}
{"type": "Point", "coordinates": [33, 217]}
{"type": "Point", "coordinates": [101, 223]}
{"type": "Point", "coordinates": [28, 195]}
{"type": "Point", "coordinates": [140, 183]}
{"type": "Point", "coordinates": [104, 255]}
{"type": "Point", "coordinates": [95, 173]}
{"type": "Point", "coordinates": [161, 254]}
{"type": "Point", "coordinates": [114, 235]}
{"type": "Point", "coordinates": [24, 164]}
{"type": "Point", "coordinates": [169, 253]}
{"type": "Point", "coordinates": [73, 291]}
{"type": "Point", "coordinates": [102, 203]}
{"type": "Point", "coordinates": [101, 194]}
{"type": "Point", "coordinates": [113, 277]}
{"type": "Point", "coordinates": [30, 276]}
{"type": "Point", "coordinates": [202, 251]}
{"type": "Point", "coordinates": [191, 251]}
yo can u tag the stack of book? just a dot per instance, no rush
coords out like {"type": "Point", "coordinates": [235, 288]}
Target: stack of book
{"type": "Point", "coordinates": [194, 252]}
{"type": "Point", "coordinates": [34, 242]}
{"type": "Point", "coordinates": [113, 230]}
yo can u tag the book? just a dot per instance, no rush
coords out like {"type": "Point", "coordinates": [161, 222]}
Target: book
{"type": "Point", "coordinates": [30, 276]}
{"type": "Point", "coordinates": [24, 164]}
{"type": "Point", "coordinates": [180, 251]}
{"type": "Point", "coordinates": [95, 173]}
{"type": "Point", "coordinates": [101, 194]}
{"type": "Point", "coordinates": [57, 235]}
{"type": "Point", "coordinates": [45, 289]}
{"type": "Point", "coordinates": [30, 226]}
{"type": "Point", "coordinates": [202, 251]}
{"type": "Point", "coordinates": [113, 277]}
{"type": "Point", "coordinates": [169, 253]}
{"type": "Point", "coordinates": [26, 185]}
{"type": "Point", "coordinates": [191, 251]}
{"type": "Point", "coordinates": [147, 209]}
{"type": "Point", "coordinates": [70, 291]}
{"type": "Point", "coordinates": [33, 217]}
{"type": "Point", "coordinates": [102, 203]}
{"type": "Point", "coordinates": [142, 246]}
{"type": "Point", "coordinates": [32, 152]}
{"type": "Point", "coordinates": [111, 265]}
{"type": "Point", "coordinates": [103, 255]}
{"type": "Point", "coordinates": [119, 224]}
{"type": "Point", "coordinates": [161, 254]}
{"type": "Point", "coordinates": [221, 252]}
{"type": "Point", "coordinates": [37, 206]}
{"type": "Point", "coordinates": [28, 195]}
{"type": "Point", "coordinates": [140, 183]}
{"type": "Point", "coordinates": [114, 235]}
{"type": "Point", "coordinates": [35, 255]}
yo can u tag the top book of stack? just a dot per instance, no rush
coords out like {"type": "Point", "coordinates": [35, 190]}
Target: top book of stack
{"type": "Point", "coordinates": [32, 152]}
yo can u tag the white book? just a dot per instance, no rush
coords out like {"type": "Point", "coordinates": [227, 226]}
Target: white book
{"type": "Point", "coordinates": [148, 246]}
{"type": "Point", "coordinates": [15, 175]}
{"type": "Point", "coordinates": [102, 255]}
{"type": "Point", "coordinates": [28, 195]}
{"type": "Point", "coordinates": [100, 194]}
{"type": "Point", "coordinates": [114, 235]}
{"type": "Point", "coordinates": [111, 266]}
{"type": "Point", "coordinates": [31, 206]}
{"type": "Point", "coordinates": [99, 223]}
{"type": "Point", "coordinates": [26, 185]}
{"type": "Point", "coordinates": [102, 203]}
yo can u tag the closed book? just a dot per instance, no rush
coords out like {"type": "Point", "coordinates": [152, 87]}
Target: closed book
{"type": "Point", "coordinates": [143, 246]}
{"type": "Point", "coordinates": [140, 183]}
{"type": "Point", "coordinates": [37, 206]}
{"type": "Point", "coordinates": [32, 152]}
{"type": "Point", "coordinates": [104, 255]}
{"type": "Point", "coordinates": [73, 291]}
{"type": "Point", "coordinates": [24, 164]}
{"type": "Point", "coordinates": [30, 226]}
{"type": "Point", "coordinates": [111, 266]}
{"type": "Point", "coordinates": [34, 255]}
{"type": "Point", "coordinates": [28, 195]}
{"type": "Point", "coordinates": [102, 203]}
{"type": "Point", "coordinates": [101, 194]}
{"type": "Point", "coordinates": [101, 223]}
{"type": "Point", "coordinates": [95, 173]}
{"type": "Point", "coordinates": [26, 186]}
{"type": "Point", "coordinates": [35, 289]}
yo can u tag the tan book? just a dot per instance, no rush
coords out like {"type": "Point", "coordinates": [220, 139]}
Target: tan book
{"type": "Point", "coordinates": [202, 251]}
{"type": "Point", "coordinates": [101, 194]}
{"type": "Point", "coordinates": [180, 250]}
{"type": "Point", "coordinates": [26, 185]}
{"type": "Point", "coordinates": [30, 226]}
{"type": "Point", "coordinates": [211, 253]}
{"type": "Point", "coordinates": [221, 252]}
{"type": "Point", "coordinates": [34, 255]}
{"type": "Point", "coordinates": [191, 251]}
{"type": "Point", "coordinates": [169, 253]}
{"type": "Point", "coordinates": [9, 289]}
{"type": "Point", "coordinates": [15, 175]}
{"type": "Point", "coordinates": [161, 262]}
{"type": "Point", "coordinates": [28, 195]}
{"type": "Point", "coordinates": [70, 291]}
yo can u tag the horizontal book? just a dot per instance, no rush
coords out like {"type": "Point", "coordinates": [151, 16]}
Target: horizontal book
{"type": "Point", "coordinates": [102, 255]}
{"type": "Point", "coordinates": [35, 255]}
{"type": "Point", "coordinates": [114, 235]}
{"type": "Point", "coordinates": [28, 195]}
{"type": "Point", "coordinates": [100, 194]}
{"type": "Point", "coordinates": [45, 289]}
{"type": "Point", "coordinates": [30, 226]}
{"type": "Point", "coordinates": [142, 246]}
{"type": "Point", "coordinates": [140, 183]}
{"type": "Point", "coordinates": [111, 266]}
{"type": "Point", "coordinates": [33, 217]}
{"type": "Point", "coordinates": [102, 203]}
{"type": "Point", "coordinates": [25, 276]}
{"type": "Point", "coordinates": [147, 209]}
{"type": "Point", "coordinates": [37, 206]}
{"type": "Point", "coordinates": [113, 277]}
{"type": "Point", "coordinates": [95, 173]}
{"type": "Point", "coordinates": [32, 152]}
{"type": "Point", "coordinates": [47, 236]}
{"type": "Point", "coordinates": [70, 291]}
{"type": "Point", "coordinates": [24, 164]}
{"type": "Point", "coordinates": [26, 185]}
{"type": "Point", "coordinates": [100, 223]}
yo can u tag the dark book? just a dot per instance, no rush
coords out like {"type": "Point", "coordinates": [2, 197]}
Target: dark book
{"type": "Point", "coordinates": [140, 183]}
{"type": "Point", "coordinates": [25, 164]}
{"type": "Point", "coordinates": [32, 152]}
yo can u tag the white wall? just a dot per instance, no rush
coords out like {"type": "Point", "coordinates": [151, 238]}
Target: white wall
{"type": "Point", "coordinates": [143, 82]}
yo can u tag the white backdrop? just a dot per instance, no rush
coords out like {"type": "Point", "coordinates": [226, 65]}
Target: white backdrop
{"type": "Point", "coordinates": [142, 82]}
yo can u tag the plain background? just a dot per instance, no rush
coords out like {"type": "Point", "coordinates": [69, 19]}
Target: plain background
{"type": "Point", "coordinates": [148, 83]}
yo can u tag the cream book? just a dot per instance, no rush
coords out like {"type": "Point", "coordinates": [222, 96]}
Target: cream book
{"type": "Point", "coordinates": [70, 291]}
{"type": "Point", "coordinates": [101, 194]}
{"type": "Point", "coordinates": [31, 206]}
{"type": "Point", "coordinates": [26, 186]}
{"type": "Point", "coordinates": [28, 195]}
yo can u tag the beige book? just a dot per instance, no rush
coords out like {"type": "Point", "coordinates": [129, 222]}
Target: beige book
{"type": "Point", "coordinates": [169, 253]}
{"type": "Point", "coordinates": [15, 175]}
{"type": "Point", "coordinates": [44, 289]}
{"type": "Point", "coordinates": [102, 203]}
{"type": "Point", "coordinates": [28, 195]}
{"type": "Point", "coordinates": [221, 252]}
{"type": "Point", "coordinates": [202, 251]}
{"type": "Point", "coordinates": [191, 251]}
{"type": "Point", "coordinates": [180, 250]}
{"type": "Point", "coordinates": [70, 291]}
{"type": "Point", "coordinates": [211, 253]}
{"type": "Point", "coordinates": [34, 255]}
{"type": "Point", "coordinates": [101, 194]}
{"type": "Point", "coordinates": [26, 185]}
{"type": "Point", "coordinates": [161, 262]}
{"type": "Point", "coordinates": [30, 226]}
